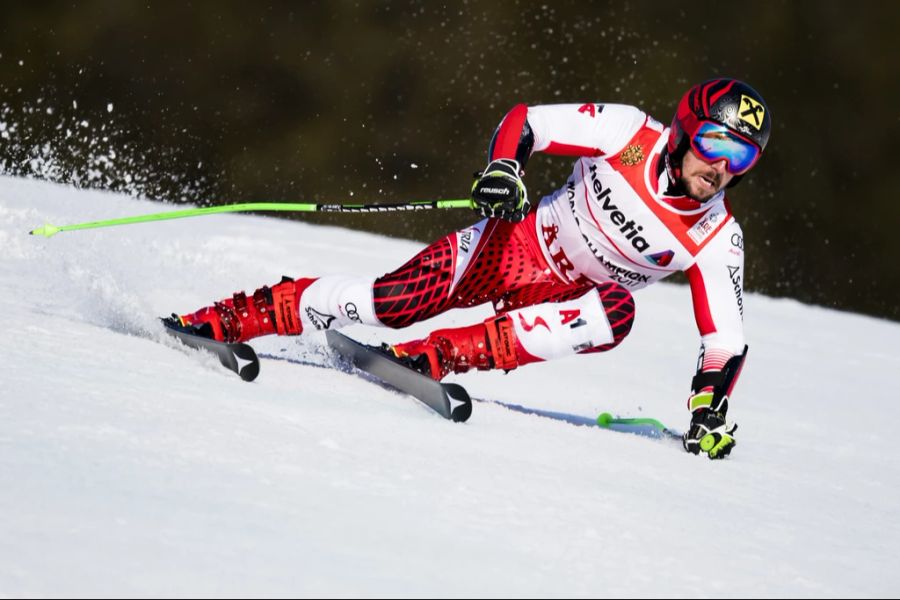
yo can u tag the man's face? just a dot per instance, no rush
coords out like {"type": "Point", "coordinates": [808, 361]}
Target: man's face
{"type": "Point", "coordinates": [701, 179]}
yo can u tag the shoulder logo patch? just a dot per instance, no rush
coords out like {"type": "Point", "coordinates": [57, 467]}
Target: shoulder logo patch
{"type": "Point", "coordinates": [632, 155]}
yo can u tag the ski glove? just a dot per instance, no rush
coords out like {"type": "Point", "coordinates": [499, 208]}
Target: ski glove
{"type": "Point", "coordinates": [709, 432]}
{"type": "Point", "coordinates": [499, 191]}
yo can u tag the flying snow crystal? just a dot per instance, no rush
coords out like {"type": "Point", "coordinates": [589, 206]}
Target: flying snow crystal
{"type": "Point", "coordinates": [109, 107]}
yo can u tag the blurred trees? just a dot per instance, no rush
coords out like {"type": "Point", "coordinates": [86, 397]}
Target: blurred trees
{"type": "Point", "coordinates": [221, 102]}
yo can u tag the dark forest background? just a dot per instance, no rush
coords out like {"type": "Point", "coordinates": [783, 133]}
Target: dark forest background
{"type": "Point", "coordinates": [218, 102]}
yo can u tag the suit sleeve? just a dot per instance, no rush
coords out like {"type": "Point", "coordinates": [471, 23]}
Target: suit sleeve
{"type": "Point", "coordinates": [717, 290]}
{"type": "Point", "coordinates": [565, 129]}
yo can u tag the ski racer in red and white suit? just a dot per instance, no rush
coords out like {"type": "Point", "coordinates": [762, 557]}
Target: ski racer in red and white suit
{"type": "Point", "coordinates": [616, 219]}
{"type": "Point", "coordinates": [642, 202]}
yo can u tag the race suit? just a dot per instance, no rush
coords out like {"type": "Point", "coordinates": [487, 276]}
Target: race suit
{"type": "Point", "coordinates": [565, 274]}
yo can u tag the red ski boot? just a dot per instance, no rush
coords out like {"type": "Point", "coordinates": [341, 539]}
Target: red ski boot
{"type": "Point", "coordinates": [241, 318]}
{"type": "Point", "coordinates": [485, 346]}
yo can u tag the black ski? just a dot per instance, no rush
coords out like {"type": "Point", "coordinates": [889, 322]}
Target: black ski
{"type": "Point", "coordinates": [240, 358]}
{"type": "Point", "coordinates": [449, 400]}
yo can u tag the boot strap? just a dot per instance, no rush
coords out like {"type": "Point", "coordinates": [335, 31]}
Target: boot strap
{"type": "Point", "coordinates": [284, 306]}
{"type": "Point", "coordinates": [502, 339]}
{"type": "Point", "coordinates": [230, 323]}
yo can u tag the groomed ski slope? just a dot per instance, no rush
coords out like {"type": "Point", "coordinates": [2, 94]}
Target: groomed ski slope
{"type": "Point", "coordinates": [132, 467]}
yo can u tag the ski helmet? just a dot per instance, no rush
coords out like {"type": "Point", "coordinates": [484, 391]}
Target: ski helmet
{"type": "Point", "coordinates": [721, 119]}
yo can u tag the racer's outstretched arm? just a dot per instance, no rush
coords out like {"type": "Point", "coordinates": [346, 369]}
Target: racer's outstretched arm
{"type": "Point", "coordinates": [565, 130]}
{"type": "Point", "coordinates": [717, 290]}
{"type": "Point", "coordinates": [562, 129]}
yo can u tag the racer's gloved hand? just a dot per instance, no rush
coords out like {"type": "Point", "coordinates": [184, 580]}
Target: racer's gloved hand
{"type": "Point", "coordinates": [709, 432]}
{"type": "Point", "coordinates": [499, 191]}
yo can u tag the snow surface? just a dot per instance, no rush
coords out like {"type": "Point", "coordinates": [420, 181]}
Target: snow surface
{"type": "Point", "coordinates": [132, 467]}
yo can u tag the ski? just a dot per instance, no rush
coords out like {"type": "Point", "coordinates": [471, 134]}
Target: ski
{"type": "Point", "coordinates": [449, 400]}
{"type": "Point", "coordinates": [240, 358]}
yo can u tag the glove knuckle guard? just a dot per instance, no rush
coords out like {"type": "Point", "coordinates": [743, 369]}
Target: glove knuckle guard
{"type": "Point", "coordinates": [500, 192]}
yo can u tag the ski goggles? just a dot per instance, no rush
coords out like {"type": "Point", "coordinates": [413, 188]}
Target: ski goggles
{"type": "Point", "coordinates": [714, 142]}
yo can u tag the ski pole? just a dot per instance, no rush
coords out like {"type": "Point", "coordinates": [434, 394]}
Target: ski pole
{"type": "Point", "coordinates": [51, 230]}
{"type": "Point", "coordinates": [606, 419]}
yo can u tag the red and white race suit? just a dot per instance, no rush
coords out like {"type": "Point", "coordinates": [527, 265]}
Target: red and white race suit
{"type": "Point", "coordinates": [613, 221]}
{"type": "Point", "coordinates": [565, 273]}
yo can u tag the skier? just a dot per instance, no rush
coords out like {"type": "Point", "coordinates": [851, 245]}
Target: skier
{"type": "Point", "coordinates": [644, 201]}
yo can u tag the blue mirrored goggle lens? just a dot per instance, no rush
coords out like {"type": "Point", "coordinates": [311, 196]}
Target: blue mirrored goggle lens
{"type": "Point", "coordinates": [714, 142]}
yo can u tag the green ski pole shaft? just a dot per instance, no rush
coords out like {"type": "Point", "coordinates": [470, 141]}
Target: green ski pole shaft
{"type": "Point", "coordinates": [51, 230]}
{"type": "Point", "coordinates": [606, 419]}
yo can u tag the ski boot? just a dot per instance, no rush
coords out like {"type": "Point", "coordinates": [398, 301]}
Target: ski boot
{"type": "Point", "coordinates": [241, 317]}
{"type": "Point", "coordinates": [485, 346]}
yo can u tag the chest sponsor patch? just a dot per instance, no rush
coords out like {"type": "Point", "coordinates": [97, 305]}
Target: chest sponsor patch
{"type": "Point", "coordinates": [706, 226]}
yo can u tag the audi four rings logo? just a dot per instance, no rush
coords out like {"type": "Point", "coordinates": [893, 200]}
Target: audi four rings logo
{"type": "Point", "coordinates": [737, 241]}
{"type": "Point", "coordinates": [352, 312]}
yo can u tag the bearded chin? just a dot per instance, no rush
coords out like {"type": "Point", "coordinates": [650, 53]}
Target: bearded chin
{"type": "Point", "coordinates": [692, 193]}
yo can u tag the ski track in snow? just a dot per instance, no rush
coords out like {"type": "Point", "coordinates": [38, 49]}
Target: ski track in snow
{"type": "Point", "coordinates": [130, 466]}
